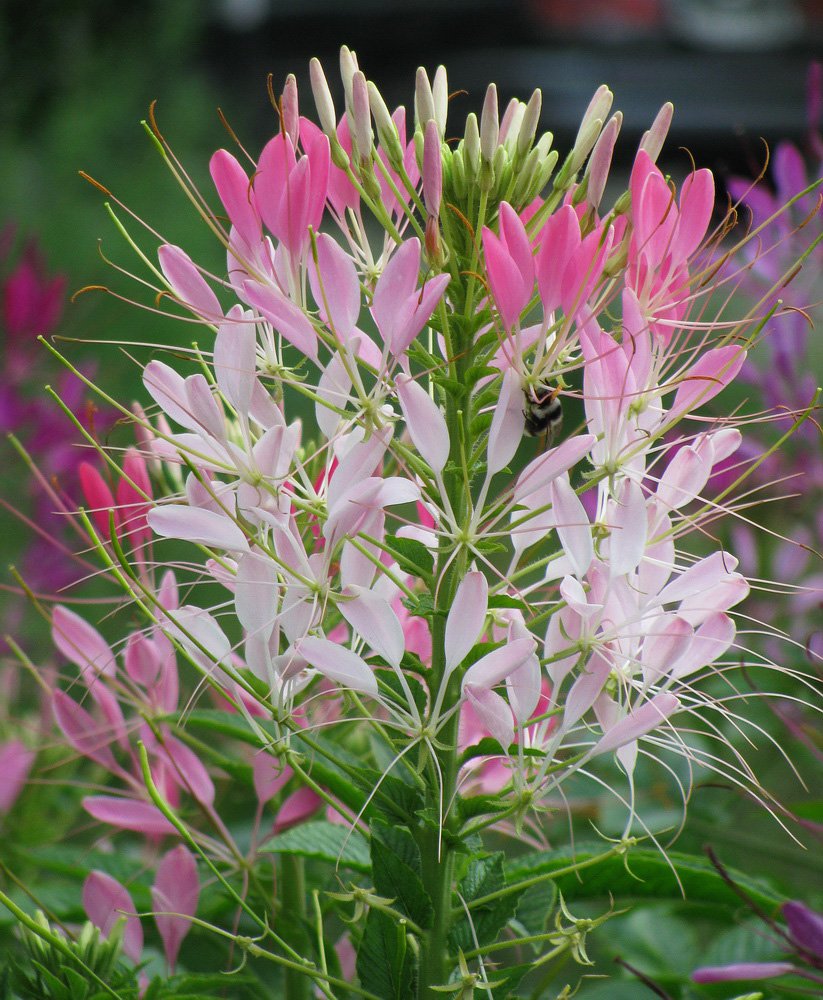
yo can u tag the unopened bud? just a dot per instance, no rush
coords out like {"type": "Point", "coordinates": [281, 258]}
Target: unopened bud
{"type": "Point", "coordinates": [348, 67]}
{"type": "Point", "coordinates": [423, 100]}
{"type": "Point", "coordinates": [440, 97]}
{"type": "Point", "coordinates": [432, 169]}
{"type": "Point", "coordinates": [489, 124]}
{"type": "Point", "coordinates": [528, 126]}
{"type": "Point", "coordinates": [599, 107]}
{"type": "Point", "coordinates": [322, 99]}
{"type": "Point", "coordinates": [458, 175]}
{"type": "Point", "coordinates": [510, 123]}
{"type": "Point", "coordinates": [583, 145]}
{"type": "Point", "coordinates": [291, 113]}
{"type": "Point", "coordinates": [601, 159]}
{"type": "Point", "coordinates": [386, 129]}
{"type": "Point", "coordinates": [471, 147]}
{"type": "Point", "coordinates": [652, 141]}
{"type": "Point", "coordinates": [361, 117]}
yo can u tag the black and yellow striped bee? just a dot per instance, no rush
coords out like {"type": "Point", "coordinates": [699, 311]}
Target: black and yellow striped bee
{"type": "Point", "coordinates": [544, 413]}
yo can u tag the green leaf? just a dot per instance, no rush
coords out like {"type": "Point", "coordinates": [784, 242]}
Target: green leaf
{"type": "Point", "coordinates": [385, 965]}
{"type": "Point", "coordinates": [505, 601]}
{"type": "Point", "coordinates": [513, 976]}
{"type": "Point", "coordinates": [481, 805]}
{"type": "Point", "coordinates": [412, 555]}
{"type": "Point", "coordinates": [643, 873]}
{"type": "Point", "coordinates": [484, 876]}
{"type": "Point", "coordinates": [396, 871]}
{"type": "Point", "coordinates": [476, 372]}
{"type": "Point", "coordinates": [536, 906]}
{"type": "Point", "coordinates": [421, 607]}
{"type": "Point", "coordinates": [326, 841]}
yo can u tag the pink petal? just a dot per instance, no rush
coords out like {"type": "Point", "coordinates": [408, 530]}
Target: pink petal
{"type": "Point", "coordinates": [15, 763]}
{"type": "Point", "coordinates": [297, 808]}
{"type": "Point", "coordinates": [269, 775]}
{"type": "Point", "coordinates": [189, 771]}
{"type": "Point", "coordinates": [188, 284]}
{"type": "Point", "coordinates": [627, 541]}
{"type": "Point", "coordinates": [105, 901]}
{"type": "Point", "coordinates": [98, 496]}
{"type": "Point", "coordinates": [287, 318]}
{"type": "Point", "coordinates": [235, 192]}
{"type": "Point", "coordinates": [81, 643]}
{"type": "Point", "coordinates": [176, 891]}
{"type": "Point", "coordinates": [335, 286]}
{"type": "Point", "coordinates": [559, 238]}
{"type": "Point", "coordinates": [128, 814]}
{"type": "Point", "coordinates": [741, 970]}
{"type": "Point", "coordinates": [82, 731]}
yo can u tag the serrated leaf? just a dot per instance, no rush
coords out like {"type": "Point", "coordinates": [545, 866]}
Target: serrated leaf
{"type": "Point", "coordinates": [421, 607]}
{"type": "Point", "coordinates": [481, 423]}
{"type": "Point", "coordinates": [484, 877]}
{"type": "Point", "coordinates": [396, 872]}
{"type": "Point", "coordinates": [325, 841]}
{"type": "Point", "coordinates": [646, 874]}
{"type": "Point", "coordinates": [411, 555]}
{"type": "Point", "coordinates": [535, 907]}
{"type": "Point", "coordinates": [505, 601]}
{"type": "Point", "coordinates": [481, 805]}
{"type": "Point", "coordinates": [514, 974]}
{"type": "Point", "coordinates": [385, 964]}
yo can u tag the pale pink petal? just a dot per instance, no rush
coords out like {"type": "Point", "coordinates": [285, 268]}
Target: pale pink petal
{"type": "Point", "coordinates": [205, 527]}
{"type": "Point", "coordinates": [710, 642]}
{"type": "Point", "coordinates": [508, 422]}
{"type": "Point", "coordinates": [335, 286]}
{"type": "Point", "coordinates": [492, 711]}
{"type": "Point", "coordinates": [269, 775]}
{"type": "Point", "coordinates": [143, 660]}
{"type": "Point", "coordinates": [235, 360]}
{"type": "Point", "coordinates": [670, 639]}
{"type": "Point", "coordinates": [425, 422]}
{"type": "Point", "coordinates": [372, 617]}
{"type": "Point", "coordinates": [705, 378]}
{"type": "Point", "coordinates": [546, 467]}
{"type": "Point", "coordinates": [627, 541]}
{"type": "Point", "coordinates": [573, 527]}
{"type": "Point", "coordinates": [741, 970]}
{"type": "Point", "coordinates": [466, 617]}
{"type": "Point", "coordinates": [638, 722]}
{"type": "Point", "coordinates": [496, 666]}
{"type": "Point", "coordinates": [338, 663]}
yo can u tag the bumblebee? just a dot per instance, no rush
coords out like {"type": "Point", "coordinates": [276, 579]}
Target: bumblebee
{"type": "Point", "coordinates": [544, 413]}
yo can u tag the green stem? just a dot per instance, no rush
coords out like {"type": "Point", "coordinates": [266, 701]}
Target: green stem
{"type": "Point", "coordinates": [292, 921]}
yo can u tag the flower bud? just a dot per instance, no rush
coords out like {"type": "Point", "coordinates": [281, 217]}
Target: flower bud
{"type": "Point", "coordinates": [653, 140]}
{"type": "Point", "coordinates": [423, 100]}
{"type": "Point", "coordinates": [361, 117]}
{"type": "Point", "coordinates": [323, 100]}
{"type": "Point", "coordinates": [386, 129]}
{"type": "Point", "coordinates": [489, 125]}
{"type": "Point", "coordinates": [599, 107]}
{"type": "Point", "coordinates": [348, 67]}
{"type": "Point", "coordinates": [528, 126]}
{"type": "Point", "coordinates": [291, 113]}
{"type": "Point", "coordinates": [471, 148]}
{"type": "Point", "coordinates": [440, 97]}
{"type": "Point", "coordinates": [510, 124]}
{"type": "Point", "coordinates": [601, 159]}
{"type": "Point", "coordinates": [432, 169]}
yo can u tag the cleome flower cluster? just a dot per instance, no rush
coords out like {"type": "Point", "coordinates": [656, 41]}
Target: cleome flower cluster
{"type": "Point", "coordinates": [437, 458]}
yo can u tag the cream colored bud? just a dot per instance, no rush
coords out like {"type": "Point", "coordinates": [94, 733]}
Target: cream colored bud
{"type": "Point", "coordinates": [423, 100]}
{"type": "Point", "coordinates": [323, 99]}
{"type": "Point", "coordinates": [528, 126]}
{"type": "Point", "coordinates": [440, 97]}
{"type": "Point", "coordinates": [489, 125]}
